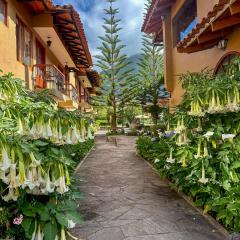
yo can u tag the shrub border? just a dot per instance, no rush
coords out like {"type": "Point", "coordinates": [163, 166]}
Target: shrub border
{"type": "Point", "coordinates": [84, 159]}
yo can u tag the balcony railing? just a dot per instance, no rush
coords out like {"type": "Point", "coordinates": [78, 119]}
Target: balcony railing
{"type": "Point", "coordinates": [48, 76]}
{"type": "Point", "coordinates": [71, 91]}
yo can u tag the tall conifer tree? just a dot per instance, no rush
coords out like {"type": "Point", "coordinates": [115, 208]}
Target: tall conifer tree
{"type": "Point", "coordinates": [112, 62]}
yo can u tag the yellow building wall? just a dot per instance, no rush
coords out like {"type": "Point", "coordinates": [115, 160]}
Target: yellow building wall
{"type": "Point", "coordinates": [8, 46]}
{"type": "Point", "coordinates": [194, 62]}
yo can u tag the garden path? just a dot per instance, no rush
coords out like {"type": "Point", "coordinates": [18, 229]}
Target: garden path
{"type": "Point", "coordinates": [126, 200]}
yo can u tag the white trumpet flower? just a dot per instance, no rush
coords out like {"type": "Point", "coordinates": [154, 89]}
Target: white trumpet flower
{"type": "Point", "coordinates": [68, 140]}
{"type": "Point", "coordinates": [203, 179]}
{"type": "Point", "coordinates": [34, 132]}
{"type": "Point", "coordinates": [170, 159]}
{"type": "Point", "coordinates": [20, 126]}
{"type": "Point", "coordinates": [198, 155]}
{"type": "Point", "coordinates": [62, 188]}
{"type": "Point", "coordinates": [71, 224]}
{"type": "Point", "coordinates": [156, 160]}
{"type": "Point", "coordinates": [49, 185]}
{"type": "Point", "coordinates": [12, 195]}
{"type": "Point", "coordinates": [228, 137]}
{"type": "Point", "coordinates": [63, 235]}
{"type": "Point", "coordinates": [6, 161]}
{"type": "Point", "coordinates": [13, 181]}
{"type": "Point", "coordinates": [3, 177]}
{"type": "Point", "coordinates": [208, 135]}
{"type": "Point", "coordinates": [39, 235]}
{"type": "Point", "coordinates": [49, 130]}
{"type": "Point", "coordinates": [90, 136]}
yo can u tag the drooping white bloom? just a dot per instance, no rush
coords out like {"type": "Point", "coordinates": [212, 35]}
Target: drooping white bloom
{"type": "Point", "coordinates": [35, 162]}
{"type": "Point", "coordinates": [20, 126]}
{"type": "Point", "coordinates": [12, 195]}
{"type": "Point", "coordinates": [203, 179]}
{"type": "Point", "coordinates": [171, 159]}
{"type": "Point", "coordinates": [39, 235]}
{"type": "Point", "coordinates": [180, 126]}
{"type": "Point", "coordinates": [13, 181]}
{"type": "Point", "coordinates": [196, 110]}
{"type": "Point", "coordinates": [49, 130]}
{"type": "Point", "coordinates": [71, 224]}
{"type": "Point", "coordinates": [63, 235]}
{"type": "Point", "coordinates": [90, 136]}
{"type": "Point", "coordinates": [182, 139]}
{"type": "Point", "coordinates": [208, 134]}
{"type": "Point", "coordinates": [6, 161]}
{"type": "Point", "coordinates": [34, 132]}
{"type": "Point", "coordinates": [3, 177]}
{"type": "Point", "coordinates": [156, 160]}
{"type": "Point", "coordinates": [34, 232]}
{"type": "Point", "coordinates": [198, 155]}
{"type": "Point", "coordinates": [228, 136]}
{"type": "Point", "coordinates": [75, 136]}
{"type": "Point", "coordinates": [62, 187]}
{"type": "Point", "coordinates": [69, 140]}
{"type": "Point", "coordinates": [49, 188]}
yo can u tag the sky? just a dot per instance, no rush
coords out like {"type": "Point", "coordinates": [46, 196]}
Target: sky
{"type": "Point", "coordinates": [91, 13]}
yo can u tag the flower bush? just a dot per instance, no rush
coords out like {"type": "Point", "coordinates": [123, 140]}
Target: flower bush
{"type": "Point", "coordinates": [201, 155]}
{"type": "Point", "coordinates": [37, 186]}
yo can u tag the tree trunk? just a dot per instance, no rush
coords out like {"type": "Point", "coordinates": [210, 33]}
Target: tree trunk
{"type": "Point", "coordinates": [114, 119]}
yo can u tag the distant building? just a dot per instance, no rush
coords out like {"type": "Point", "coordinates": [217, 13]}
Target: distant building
{"type": "Point", "coordinates": [45, 45]}
{"type": "Point", "coordinates": [196, 34]}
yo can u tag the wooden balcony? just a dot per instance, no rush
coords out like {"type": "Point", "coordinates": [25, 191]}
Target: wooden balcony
{"type": "Point", "coordinates": [48, 76]}
{"type": "Point", "coordinates": [73, 99]}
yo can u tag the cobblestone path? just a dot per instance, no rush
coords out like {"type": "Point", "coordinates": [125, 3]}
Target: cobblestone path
{"type": "Point", "coordinates": [126, 200]}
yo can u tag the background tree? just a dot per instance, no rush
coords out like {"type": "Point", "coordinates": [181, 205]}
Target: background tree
{"type": "Point", "coordinates": [150, 76]}
{"type": "Point", "coordinates": [112, 63]}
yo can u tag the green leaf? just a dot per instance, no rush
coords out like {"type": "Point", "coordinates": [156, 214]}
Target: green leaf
{"type": "Point", "coordinates": [50, 231]}
{"type": "Point", "coordinates": [39, 143]}
{"type": "Point", "coordinates": [75, 217]}
{"type": "Point", "coordinates": [62, 220]}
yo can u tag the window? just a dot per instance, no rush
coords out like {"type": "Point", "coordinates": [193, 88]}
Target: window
{"type": "Point", "coordinates": [185, 21]}
{"type": "Point", "coordinates": [226, 60]}
{"type": "Point", "coordinates": [24, 43]}
{"type": "Point", "coordinates": [3, 11]}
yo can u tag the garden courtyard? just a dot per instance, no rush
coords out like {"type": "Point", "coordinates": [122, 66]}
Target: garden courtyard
{"type": "Point", "coordinates": [126, 200]}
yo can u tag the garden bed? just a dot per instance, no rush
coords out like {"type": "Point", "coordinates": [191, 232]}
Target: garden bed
{"type": "Point", "coordinates": [198, 148]}
{"type": "Point", "coordinates": [40, 147]}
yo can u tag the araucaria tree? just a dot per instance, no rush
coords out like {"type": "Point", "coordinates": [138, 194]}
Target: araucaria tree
{"type": "Point", "coordinates": [112, 62]}
{"type": "Point", "coordinates": [150, 75]}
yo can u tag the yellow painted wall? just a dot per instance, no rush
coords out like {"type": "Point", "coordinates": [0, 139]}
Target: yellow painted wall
{"type": "Point", "coordinates": [8, 48]}
{"type": "Point", "coordinates": [183, 62]}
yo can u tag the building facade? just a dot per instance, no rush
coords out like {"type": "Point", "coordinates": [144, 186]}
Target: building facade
{"type": "Point", "coordinates": [196, 34]}
{"type": "Point", "coordinates": [45, 45]}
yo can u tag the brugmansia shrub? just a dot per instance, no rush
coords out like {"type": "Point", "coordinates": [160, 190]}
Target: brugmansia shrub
{"type": "Point", "coordinates": [199, 151]}
{"type": "Point", "coordinates": [38, 194]}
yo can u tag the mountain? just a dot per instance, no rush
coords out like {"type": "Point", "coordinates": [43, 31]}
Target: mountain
{"type": "Point", "coordinates": [134, 59]}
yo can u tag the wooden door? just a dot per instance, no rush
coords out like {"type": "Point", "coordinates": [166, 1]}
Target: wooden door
{"type": "Point", "coordinates": [40, 61]}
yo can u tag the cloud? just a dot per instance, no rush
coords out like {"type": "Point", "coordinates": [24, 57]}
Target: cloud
{"type": "Point", "coordinates": [92, 12]}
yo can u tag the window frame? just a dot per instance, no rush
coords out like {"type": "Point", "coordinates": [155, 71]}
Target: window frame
{"type": "Point", "coordinates": [5, 14]}
{"type": "Point", "coordinates": [176, 21]}
{"type": "Point", "coordinates": [226, 56]}
{"type": "Point", "coordinates": [20, 41]}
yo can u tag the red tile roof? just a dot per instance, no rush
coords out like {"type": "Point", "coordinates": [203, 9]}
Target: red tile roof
{"type": "Point", "coordinates": [153, 20]}
{"type": "Point", "coordinates": [220, 11]}
{"type": "Point", "coordinates": [70, 21]}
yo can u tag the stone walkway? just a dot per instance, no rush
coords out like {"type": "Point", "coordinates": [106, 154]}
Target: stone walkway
{"type": "Point", "coordinates": [126, 200]}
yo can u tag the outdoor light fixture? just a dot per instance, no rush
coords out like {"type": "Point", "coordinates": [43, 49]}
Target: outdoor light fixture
{"type": "Point", "coordinates": [49, 42]}
{"type": "Point", "coordinates": [222, 44]}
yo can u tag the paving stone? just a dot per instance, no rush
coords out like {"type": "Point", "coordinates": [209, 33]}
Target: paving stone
{"type": "Point", "coordinates": [126, 200]}
{"type": "Point", "coordinates": [107, 233]}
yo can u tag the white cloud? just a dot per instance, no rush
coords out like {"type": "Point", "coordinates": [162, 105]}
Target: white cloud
{"type": "Point", "coordinates": [131, 14]}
